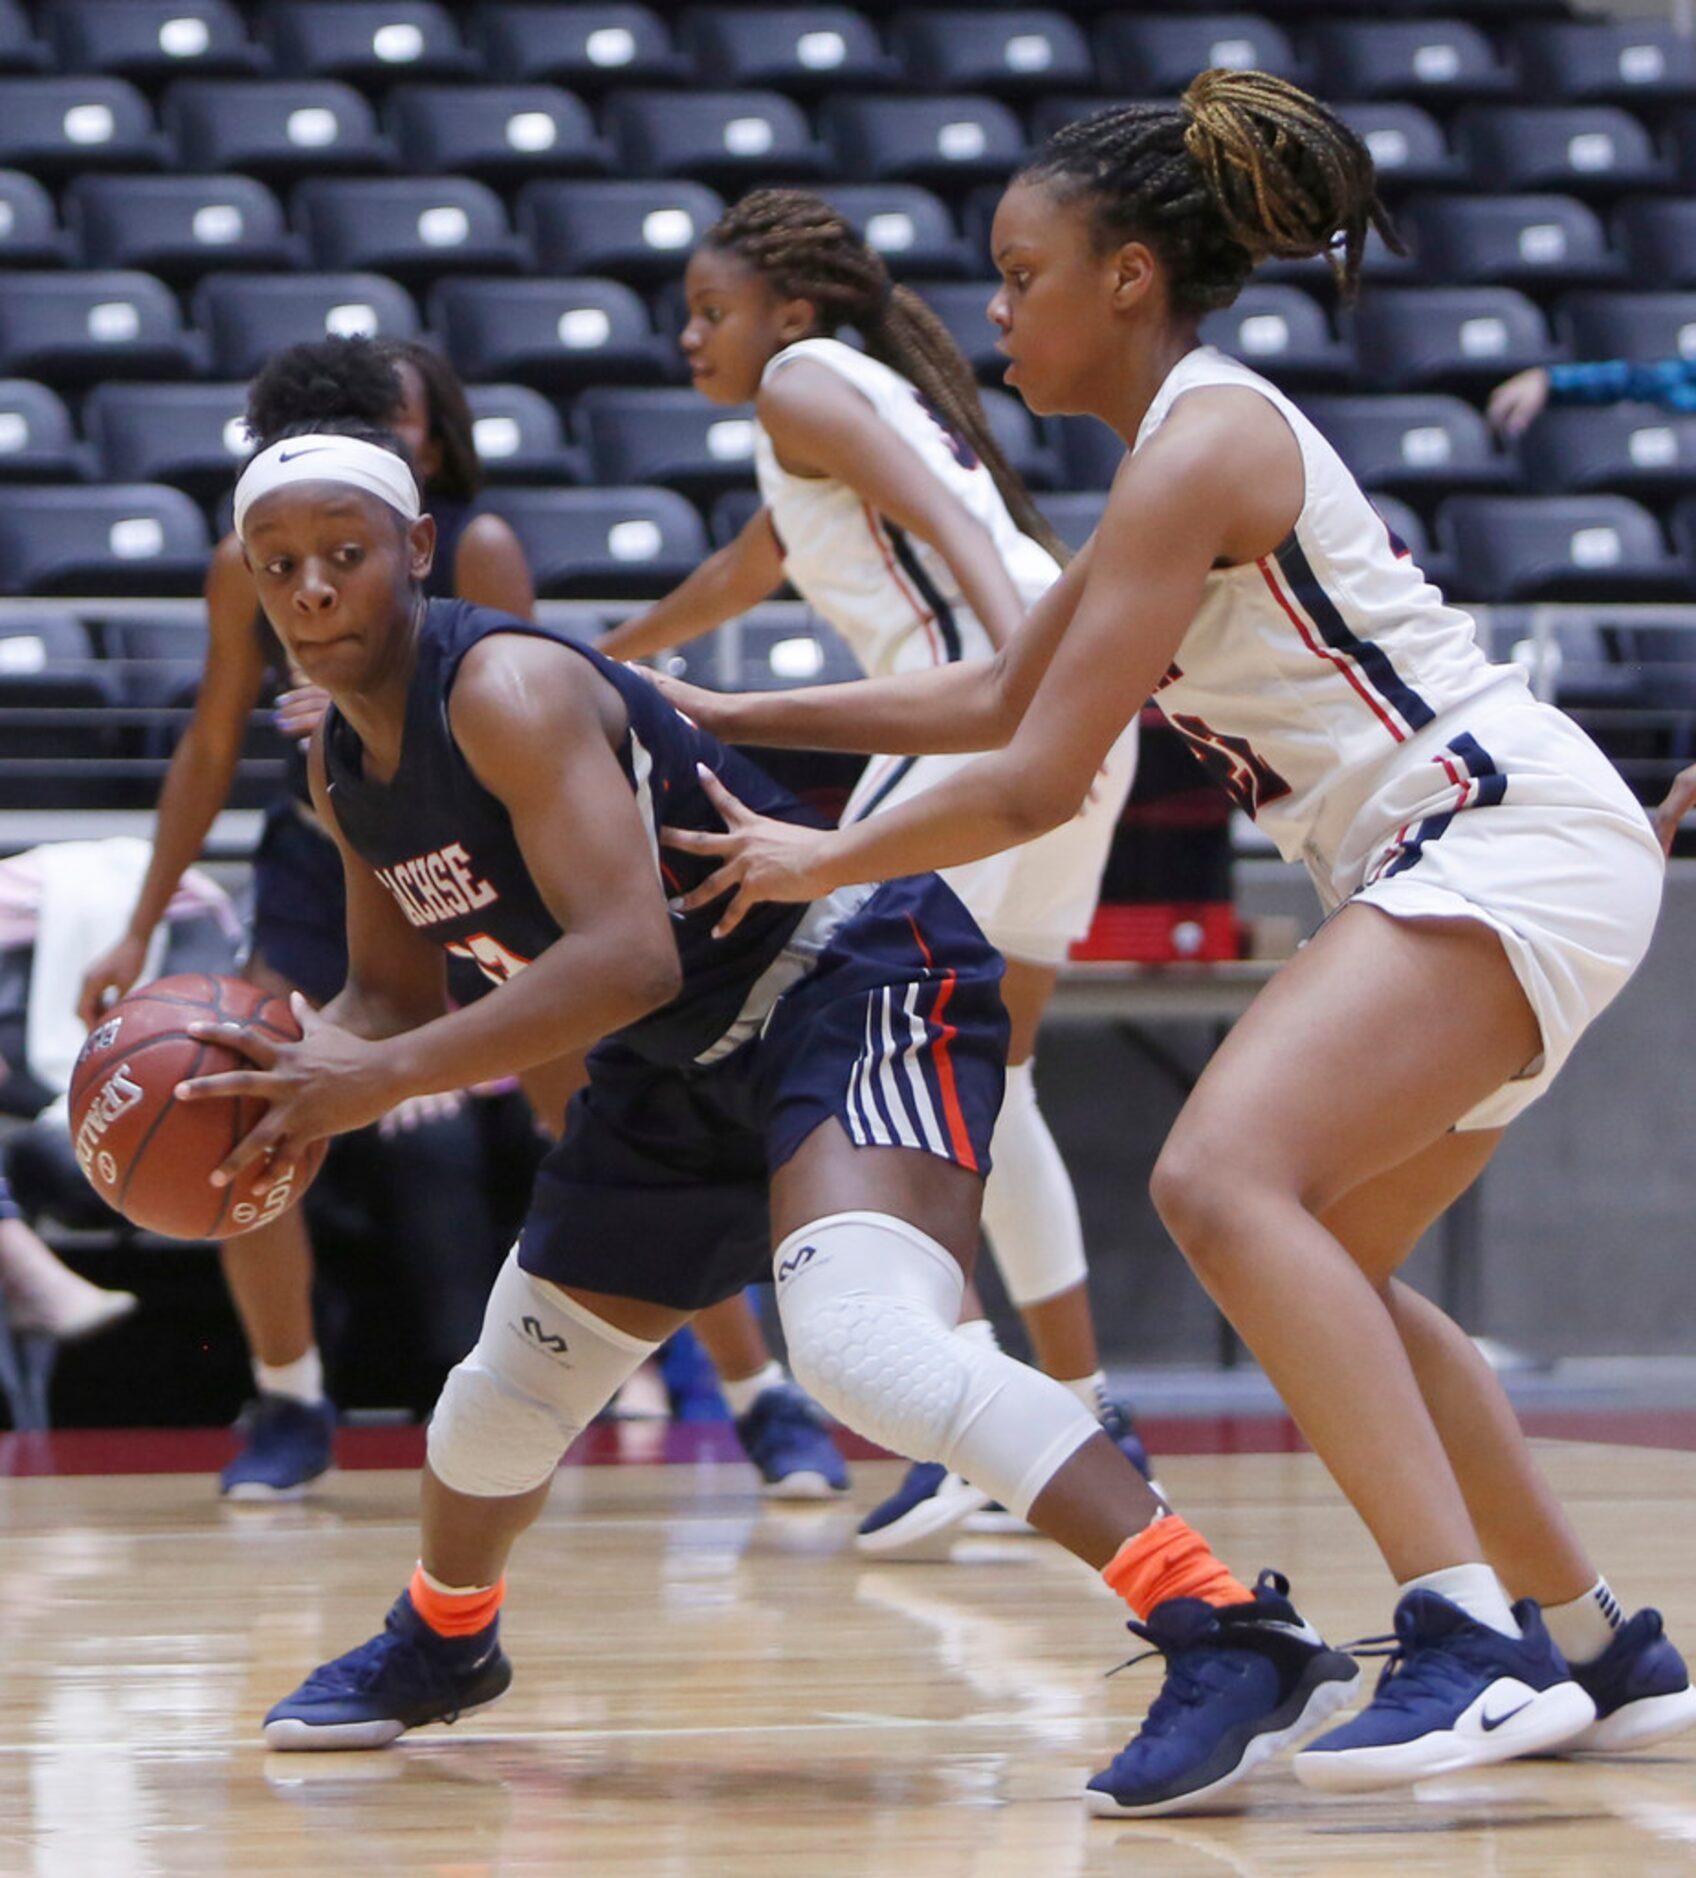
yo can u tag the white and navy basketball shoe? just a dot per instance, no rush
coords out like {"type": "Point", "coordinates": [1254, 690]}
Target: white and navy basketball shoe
{"type": "Point", "coordinates": [1641, 1689]}
{"type": "Point", "coordinates": [288, 1445]}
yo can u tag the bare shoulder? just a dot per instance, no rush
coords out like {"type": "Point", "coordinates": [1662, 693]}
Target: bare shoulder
{"type": "Point", "coordinates": [521, 689]}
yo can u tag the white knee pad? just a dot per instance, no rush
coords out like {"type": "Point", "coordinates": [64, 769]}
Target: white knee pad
{"type": "Point", "coordinates": [869, 1304]}
{"type": "Point", "coordinates": [1030, 1211]}
{"type": "Point", "coordinates": [541, 1371]}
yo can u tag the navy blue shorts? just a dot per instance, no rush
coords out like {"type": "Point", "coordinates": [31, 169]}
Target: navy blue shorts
{"type": "Point", "coordinates": [300, 904]}
{"type": "Point", "coordinates": [657, 1189]}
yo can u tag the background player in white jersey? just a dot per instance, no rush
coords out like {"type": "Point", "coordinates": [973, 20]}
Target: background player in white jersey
{"type": "Point", "coordinates": [889, 506]}
{"type": "Point", "coordinates": [1492, 884]}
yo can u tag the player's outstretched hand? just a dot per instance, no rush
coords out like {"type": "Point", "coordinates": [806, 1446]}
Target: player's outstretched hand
{"type": "Point", "coordinates": [760, 859]}
{"type": "Point", "coordinates": [328, 1082]}
{"type": "Point", "coordinates": [1679, 800]}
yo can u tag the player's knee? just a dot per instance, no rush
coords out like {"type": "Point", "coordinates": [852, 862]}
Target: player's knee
{"type": "Point", "coordinates": [489, 1441]}
{"type": "Point", "coordinates": [1195, 1191]}
{"type": "Point", "coordinates": [883, 1367]}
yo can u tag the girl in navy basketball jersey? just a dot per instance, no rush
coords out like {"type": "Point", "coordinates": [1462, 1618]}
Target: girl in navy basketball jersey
{"type": "Point", "coordinates": [816, 1090]}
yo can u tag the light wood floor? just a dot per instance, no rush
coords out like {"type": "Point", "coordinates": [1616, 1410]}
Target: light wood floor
{"type": "Point", "coordinates": [708, 1686]}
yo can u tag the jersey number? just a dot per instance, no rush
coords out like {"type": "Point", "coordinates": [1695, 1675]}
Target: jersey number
{"type": "Point", "coordinates": [1230, 761]}
{"type": "Point", "coordinates": [490, 957]}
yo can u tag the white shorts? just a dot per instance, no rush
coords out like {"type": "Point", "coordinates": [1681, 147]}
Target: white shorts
{"type": "Point", "coordinates": [1510, 815]}
{"type": "Point", "coordinates": [1032, 901]}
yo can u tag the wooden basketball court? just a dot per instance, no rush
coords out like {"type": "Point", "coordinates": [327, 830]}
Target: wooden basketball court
{"type": "Point", "coordinates": [709, 1685]}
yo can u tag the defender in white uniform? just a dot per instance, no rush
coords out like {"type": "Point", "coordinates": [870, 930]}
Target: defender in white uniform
{"type": "Point", "coordinates": [1491, 885]}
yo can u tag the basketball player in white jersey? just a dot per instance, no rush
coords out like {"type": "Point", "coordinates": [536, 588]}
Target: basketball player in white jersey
{"type": "Point", "coordinates": [889, 506]}
{"type": "Point", "coordinates": [1491, 885]}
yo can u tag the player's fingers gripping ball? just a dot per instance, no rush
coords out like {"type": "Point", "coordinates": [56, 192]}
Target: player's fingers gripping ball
{"type": "Point", "coordinates": [150, 1155]}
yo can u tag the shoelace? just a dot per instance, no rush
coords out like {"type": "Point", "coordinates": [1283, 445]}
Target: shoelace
{"type": "Point", "coordinates": [352, 1674]}
{"type": "Point", "coordinates": [1409, 1674]}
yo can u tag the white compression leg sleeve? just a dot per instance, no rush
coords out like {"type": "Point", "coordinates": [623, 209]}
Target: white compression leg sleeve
{"type": "Point", "coordinates": [1030, 1211]}
{"type": "Point", "coordinates": [869, 1305]}
{"type": "Point", "coordinates": [541, 1371]}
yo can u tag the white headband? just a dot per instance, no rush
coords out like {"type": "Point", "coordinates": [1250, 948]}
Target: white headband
{"type": "Point", "coordinates": [324, 457]}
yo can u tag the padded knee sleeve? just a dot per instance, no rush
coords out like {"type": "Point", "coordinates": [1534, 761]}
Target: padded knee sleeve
{"type": "Point", "coordinates": [1030, 1211]}
{"type": "Point", "coordinates": [541, 1371]}
{"type": "Point", "coordinates": [869, 1304]}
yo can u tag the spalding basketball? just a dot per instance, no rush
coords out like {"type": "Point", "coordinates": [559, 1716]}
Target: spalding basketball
{"type": "Point", "coordinates": [151, 1156]}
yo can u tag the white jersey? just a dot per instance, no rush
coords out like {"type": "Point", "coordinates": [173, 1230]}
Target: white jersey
{"type": "Point", "coordinates": [1306, 677]}
{"type": "Point", "coordinates": [894, 599]}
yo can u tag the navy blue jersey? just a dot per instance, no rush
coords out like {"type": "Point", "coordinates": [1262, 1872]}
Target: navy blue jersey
{"type": "Point", "coordinates": [444, 847]}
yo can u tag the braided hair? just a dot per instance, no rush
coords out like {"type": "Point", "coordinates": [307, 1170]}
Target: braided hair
{"type": "Point", "coordinates": [808, 251]}
{"type": "Point", "coordinates": [1244, 166]}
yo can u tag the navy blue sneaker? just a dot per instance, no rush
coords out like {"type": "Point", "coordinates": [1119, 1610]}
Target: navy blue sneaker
{"type": "Point", "coordinates": [1454, 1694]}
{"type": "Point", "coordinates": [1119, 1423]}
{"type": "Point", "coordinates": [785, 1438]}
{"type": "Point", "coordinates": [1640, 1687]}
{"type": "Point", "coordinates": [691, 1382]}
{"type": "Point", "coordinates": [289, 1445]}
{"type": "Point", "coordinates": [405, 1676]}
{"type": "Point", "coordinates": [920, 1515]}
{"type": "Point", "coordinates": [1242, 1682]}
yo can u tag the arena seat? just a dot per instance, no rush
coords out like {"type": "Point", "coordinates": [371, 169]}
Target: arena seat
{"type": "Point", "coordinates": [1421, 448]}
{"type": "Point", "coordinates": [30, 235]}
{"type": "Point", "coordinates": [191, 436]}
{"type": "Point", "coordinates": [1592, 150]}
{"type": "Point", "coordinates": [934, 140]}
{"type": "Point", "coordinates": [731, 513]}
{"type": "Point", "coordinates": [152, 41]}
{"type": "Point", "coordinates": [1148, 55]}
{"type": "Point", "coordinates": [909, 226]}
{"type": "Point", "coordinates": [273, 129]}
{"type": "Point", "coordinates": [48, 663]}
{"type": "Point", "coordinates": [1408, 145]}
{"type": "Point", "coordinates": [71, 328]}
{"type": "Point", "coordinates": [962, 306]}
{"type": "Point", "coordinates": [611, 543]}
{"type": "Point", "coordinates": [20, 50]}
{"type": "Point", "coordinates": [734, 137]}
{"type": "Point", "coordinates": [1637, 326]}
{"type": "Point", "coordinates": [1425, 61]}
{"type": "Point", "coordinates": [1658, 235]}
{"type": "Point", "coordinates": [1637, 449]}
{"type": "Point", "coordinates": [369, 42]}
{"type": "Point", "coordinates": [1439, 338]}
{"type": "Point", "coordinates": [800, 50]}
{"type": "Point", "coordinates": [1281, 331]}
{"type": "Point", "coordinates": [1089, 453]}
{"type": "Point", "coordinates": [504, 133]}
{"type": "Point", "coordinates": [1022, 440]}
{"type": "Point", "coordinates": [412, 228]}
{"type": "Point", "coordinates": [586, 47]}
{"type": "Point", "coordinates": [1584, 547]}
{"type": "Point", "coordinates": [1539, 242]}
{"type": "Point", "coordinates": [180, 227]}
{"type": "Point", "coordinates": [54, 127]}
{"type": "Point", "coordinates": [519, 437]}
{"type": "Point", "coordinates": [116, 538]}
{"type": "Point", "coordinates": [1010, 53]}
{"type": "Point", "coordinates": [1622, 61]}
{"type": "Point", "coordinates": [674, 438]}
{"type": "Point", "coordinates": [37, 440]}
{"type": "Point", "coordinates": [558, 334]}
{"type": "Point", "coordinates": [632, 230]}
{"type": "Point", "coordinates": [247, 317]}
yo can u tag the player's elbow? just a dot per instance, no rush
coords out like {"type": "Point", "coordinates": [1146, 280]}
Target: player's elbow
{"type": "Point", "coordinates": [1033, 803]}
{"type": "Point", "coordinates": [650, 976]}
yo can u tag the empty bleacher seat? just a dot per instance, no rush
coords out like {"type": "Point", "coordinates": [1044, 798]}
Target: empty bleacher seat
{"type": "Point", "coordinates": [732, 136]}
{"type": "Point", "coordinates": [1075, 515]}
{"type": "Point", "coordinates": [1416, 338]}
{"type": "Point", "coordinates": [506, 132]}
{"type": "Point", "coordinates": [151, 40]}
{"type": "Point", "coordinates": [731, 513]}
{"type": "Point", "coordinates": [1421, 60]}
{"type": "Point", "coordinates": [192, 436]}
{"type": "Point", "coordinates": [558, 334]}
{"type": "Point", "coordinates": [413, 227]}
{"type": "Point", "coordinates": [20, 50]}
{"type": "Point", "coordinates": [585, 47]}
{"type": "Point", "coordinates": [671, 437]}
{"type": "Point", "coordinates": [47, 664]}
{"type": "Point", "coordinates": [1407, 144]}
{"type": "Point", "coordinates": [1421, 447]}
{"type": "Point", "coordinates": [1148, 55]}
{"type": "Point", "coordinates": [1658, 234]}
{"type": "Point", "coordinates": [179, 227]}
{"type": "Point", "coordinates": [69, 328]}
{"type": "Point", "coordinates": [1594, 61]}
{"type": "Point", "coordinates": [370, 42]}
{"type": "Point", "coordinates": [273, 128]}
{"type": "Point", "coordinates": [29, 231]}
{"type": "Point", "coordinates": [1539, 242]}
{"type": "Point", "coordinates": [776, 655]}
{"type": "Point", "coordinates": [1019, 50]}
{"type": "Point", "coordinates": [909, 226]}
{"type": "Point", "coordinates": [642, 230]}
{"type": "Point", "coordinates": [797, 49]}
{"type": "Point", "coordinates": [158, 665]}
{"type": "Point", "coordinates": [37, 441]}
{"type": "Point", "coordinates": [247, 317]}
{"type": "Point", "coordinates": [114, 538]}
{"type": "Point", "coordinates": [519, 437]}
{"type": "Point", "coordinates": [1590, 547]}
{"type": "Point", "coordinates": [1595, 149]}
{"type": "Point", "coordinates": [1638, 449]}
{"type": "Point", "coordinates": [1641, 327]}
{"type": "Point", "coordinates": [56, 126]}
{"type": "Point", "coordinates": [612, 543]}
{"type": "Point", "coordinates": [962, 306]}
{"type": "Point", "coordinates": [1090, 454]}
{"type": "Point", "coordinates": [1283, 332]}
{"type": "Point", "coordinates": [923, 139]}
{"type": "Point", "coordinates": [1022, 441]}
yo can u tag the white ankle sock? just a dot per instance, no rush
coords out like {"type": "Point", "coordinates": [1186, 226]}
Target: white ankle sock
{"type": "Point", "coordinates": [741, 1396]}
{"type": "Point", "coordinates": [1478, 1592]}
{"type": "Point", "coordinates": [303, 1379]}
{"type": "Point", "coordinates": [979, 1332]}
{"type": "Point", "coordinates": [1584, 1627]}
{"type": "Point", "coordinates": [1091, 1391]}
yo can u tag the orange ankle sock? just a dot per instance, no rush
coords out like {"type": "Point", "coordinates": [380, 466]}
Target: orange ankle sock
{"type": "Point", "coordinates": [455, 1613]}
{"type": "Point", "coordinates": [1170, 1559]}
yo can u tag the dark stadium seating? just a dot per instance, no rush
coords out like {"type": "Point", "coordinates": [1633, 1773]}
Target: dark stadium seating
{"type": "Point", "coordinates": [1592, 150]}
{"type": "Point", "coordinates": [20, 50]}
{"type": "Point", "coordinates": [1283, 332]}
{"type": "Point", "coordinates": [54, 127]}
{"type": "Point", "coordinates": [1541, 243]}
{"type": "Point", "coordinates": [1408, 146]}
{"type": "Point", "coordinates": [70, 328]}
{"type": "Point", "coordinates": [1447, 338]}
{"type": "Point", "coordinates": [1634, 448]}
{"type": "Point", "coordinates": [1155, 55]}
{"type": "Point", "coordinates": [555, 334]}
{"type": "Point", "coordinates": [615, 543]}
{"type": "Point", "coordinates": [370, 42]}
{"type": "Point", "coordinates": [275, 130]}
{"type": "Point", "coordinates": [584, 47]}
{"type": "Point", "coordinates": [1006, 53]}
{"type": "Point", "coordinates": [1431, 61]}
{"type": "Point", "coordinates": [519, 437]}
{"type": "Point", "coordinates": [1419, 448]}
{"type": "Point", "coordinates": [1658, 235]}
{"type": "Point", "coordinates": [734, 138]}
{"type": "Point", "coordinates": [47, 665]}
{"type": "Point", "coordinates": [1589, 547]}
{"type": "Point", "coordinates": [118, 538]}
{"type": "Point", "coordinates": [801, 50]}
{"type": "Point", "coordinates": [37, 440]}
{"type": "Point", "coordinates": [910, 227]}
{"type": "Point", "coordinates": [635, 230]}
{"type": "Point", "coordinates": [501, 133]}
{"type": "Point", "coordinates": [1611, 61]}
{"type": "Point", "coordinates": [1641, 326]}
{"type": "Point", "coordinates": [246, 317]}
{"type": "Point", "coordinates": [673, 438]}
{"type": "Point", "coordinates": [413, 228]}
{"type": "Point", "coordinates": [30, 235]}
{"type": "Point", "coordinates": [180, 227]}
{"type": "Point", "coordinates": [924, 140]}
{"type": "Point", "coordinates": [152, 41]}
{"type": "Point", "coordinates": [189, 435]}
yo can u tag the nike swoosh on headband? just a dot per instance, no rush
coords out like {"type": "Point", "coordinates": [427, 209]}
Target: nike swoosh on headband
{"type": "Point", "coordinates": [288, 456]}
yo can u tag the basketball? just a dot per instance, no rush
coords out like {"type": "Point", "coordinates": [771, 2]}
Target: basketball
{"type": "Point", "coordinates": [150, 1156]}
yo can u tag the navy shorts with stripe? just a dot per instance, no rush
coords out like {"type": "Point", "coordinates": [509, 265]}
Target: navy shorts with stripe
{"type": "Point", "coordinates": [657, 1190]}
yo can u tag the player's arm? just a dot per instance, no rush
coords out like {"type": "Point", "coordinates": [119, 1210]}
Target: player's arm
{"type": "Point", "coordinates": [740, 575]}
{"type": "Point", "coordinates": [1221, 484]}
{"type": "Point", "coordinates": [819, 425]}
{"type": "Point", "coordinates": [197, 783]}
{"type": "Point", "coordinates": [489, 568]}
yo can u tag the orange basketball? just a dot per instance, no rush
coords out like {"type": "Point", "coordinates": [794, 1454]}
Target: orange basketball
{"type": "Point", "coordinates": [151, 1156]}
